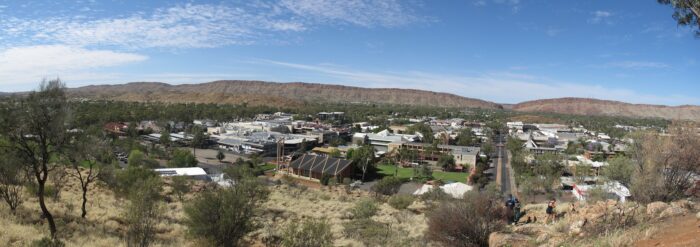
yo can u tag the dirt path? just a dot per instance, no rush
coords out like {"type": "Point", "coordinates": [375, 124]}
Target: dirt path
{"type": "Point", "coordinates": [681, 231]}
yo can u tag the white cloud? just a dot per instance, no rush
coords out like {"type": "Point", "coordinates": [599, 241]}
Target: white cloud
{"type": "Point", "coordinates": [29, 64]}
{"type": "Point", "coordinates": [600, 16]}
{"type": "Point", "coordinates": [637, 65]}
{"type": "Point", "coordinates": [367, 13]}
{"type": "Point", "coordinates": [497, 86]}
{"type": "Point", "coordinates": [205, 25]}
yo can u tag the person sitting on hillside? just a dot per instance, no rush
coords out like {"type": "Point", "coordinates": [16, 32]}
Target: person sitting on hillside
{"type": "Point", "coordinates": [516, 211]}
{"type": "Point", "coordinates": [550, 211]}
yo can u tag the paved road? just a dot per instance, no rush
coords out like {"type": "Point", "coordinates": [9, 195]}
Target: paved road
{"type": "Point", "coordinates": [502, 162]}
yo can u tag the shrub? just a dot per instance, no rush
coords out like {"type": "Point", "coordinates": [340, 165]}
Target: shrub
{"type": "Point", "coordinates": [373, 233]}
{"type": "Point", "coordinates": [181, 186]}
{"type": "Point", "coordinates": [182, 158]}
{"type": "Point", "coordinates": [435, 194]}
{"type": "Point", "coordinates": [364, 209]}
{"type": "Point", "coordinates": [466, 222]}
{"type": "Point", "coordinates": [368, 231]}
{"type": "Point", "coordinates": [387, 186]}
{"type": "Point", "coordinates": [400, 201]}
{"type": "Point", "coordinates": [223, 216]}
{"type": "Point", "coordinates": [144, 212]}
{"type": "Point", "coordinates": [126, 179]}
{"type": "Point", "coordinates": [325, 180]}
{"type": "Point", "coordinates": [48, 242]}
{"type": "Point", "coordinates": [310, 233]}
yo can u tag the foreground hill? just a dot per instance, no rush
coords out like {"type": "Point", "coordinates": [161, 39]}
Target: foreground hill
{"type": "Point", "coordinates": [276, 94]}
{"type": "Point", "coordinates": [590, 107]}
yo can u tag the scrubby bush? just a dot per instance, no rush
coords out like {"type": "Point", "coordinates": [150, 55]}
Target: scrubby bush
{"type": "Point", "coordinates": [182, 158]}
{"type": "Point", "coordinates": [144, 212]}
{"type": "Point", "coordinates": [436, 194]}
{"type": "Point", "coordinates": [126, 179]}
{"type": "Point", "coordinates": [387, 186]}
{"type": "Point", "coordinates": [48, 242]}
{"type": "Point", "coordinates": [181, 186]}
{"type": "Point", "coordinates": [368, 231]}
{"type": "Point", "coordinates": [365, 208]}
{"type": "Point", "coordinates": [400, 201]}
{"type": "Point", "coordinates": [309, 233]}
{"type": "Point", "coordinates": [223, 216]}
{"type": "Point", "coordinates": [466, 222]}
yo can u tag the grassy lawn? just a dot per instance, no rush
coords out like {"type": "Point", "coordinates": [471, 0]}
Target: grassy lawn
{"type": "Point", "coordinates": [388, 170]}
{"type": "Point", "coordinates": [267, 167]}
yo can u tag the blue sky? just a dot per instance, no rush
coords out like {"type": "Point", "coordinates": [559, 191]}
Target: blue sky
{"type": "Point", "coordinates": [506, 51]}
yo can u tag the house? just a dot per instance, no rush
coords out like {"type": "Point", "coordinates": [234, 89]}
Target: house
{"type": "Point", "coordinates": [116, 128]}
{"type": "Point", "coordinates": [331, 115]}
{"type": "Point", "coordinates": [317, 167]}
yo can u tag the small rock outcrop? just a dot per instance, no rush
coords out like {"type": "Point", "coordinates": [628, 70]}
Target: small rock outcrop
{"type": "Point", "coordinates": [498, 239]}
{"type": "Point", "coordinates": [655, 208]}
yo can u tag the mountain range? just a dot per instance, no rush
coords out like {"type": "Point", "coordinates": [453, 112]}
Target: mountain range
{"type": "Point", "coordinates": [298, 93]}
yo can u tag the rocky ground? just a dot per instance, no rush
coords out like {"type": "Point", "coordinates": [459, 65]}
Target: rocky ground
{"type": "Point", "coordinates": [607, 223]}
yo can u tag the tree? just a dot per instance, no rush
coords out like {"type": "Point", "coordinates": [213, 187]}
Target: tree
{"type": "Point", "coordinates": [363, 158]}
{"type": "Point", "coordinates": [664, 164]}
{"type": "Point", "coordinates": [308, 233]}
{"type": "Point", "coordinates": [387, 186]}
{"type": "Point", "coordinates": [466, 222]}
{"type": "Point", "coordinates": [424, 130]}
{"type": "Point", "coordinates": [619, 169]}
{"type": "Point", "coordinates": [447, 162]}
{"type": "Point", "coordinates": [223, 216]}
{"type": "Point", "coordinates": [487, 148]}
{"type": "Point", "coordinates": [466, 137]}
{"type": "Point", "coordinates": [220, 156]}
{"type": "Point", "coordinates": [198, 139]}
{"type": "Point", "coordinates": [182, 158]}
{"type": "Point", "coordinates": [10, 180]}
{"type": "Point", "coordinates": [144, 212]}
{"type": "Point", "coordinates": [89, 154]}
{"type": "Point", "coordinates": [181, 186]}
{"type": "Point", "coordinates": [686, 12]}
{"type": "Point", "coordinates": [136, 159]}
{"type": "Point", "coordinates": [165, 139]}
{"type": "Point", "coordinates": [36, 129]}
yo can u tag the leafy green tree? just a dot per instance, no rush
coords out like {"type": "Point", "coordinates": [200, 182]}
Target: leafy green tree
{"type": "Point", "coordinates": [620, 169]}
{"type": "Point", "coordinates": [165, 139]}
{"type": "Point", "coordinates": [363, 158]}
{"type": "Point", "coordinates": [424, 130]}
{"type": "Point", "coordinates": [466, 137]}
{"type": "Point", "coordinates": [220, 156]}
{"type": "Point", "coordinates": [182, 158]}
{"type": "Point", "coordinates": [35, 128]}
{"type": "Point", "coordinates": [447, 162]}
{"type": "Point", "coordinates": [198, 139]}
{"type": "Point", "coordinates": [130, 177]}
{"type": "Point", "coordinates": [136, 159]}
{"type": "Point", "coordinates": [686, 12]}
{"type": "Point", "coordinates": [223, 216]}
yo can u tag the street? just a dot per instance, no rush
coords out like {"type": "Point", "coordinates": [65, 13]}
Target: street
{"type": "Point", "coordinates": [503, 171]}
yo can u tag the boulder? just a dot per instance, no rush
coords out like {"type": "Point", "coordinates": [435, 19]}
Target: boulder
{"type": "Point", "coordinates": [498, 239]}
{"type": "Point", "coordinates": [697, 216]}
{"type": "Point", "coordinates": [576, 228]}
{"type": "Point", "coordinates": [673, 211]}
{"type": "Point", "coordinates": [532, 230]}
{"type": "Point", "coordinates": [655, 208]}
{"type": "Point", "coordinates": [682, 204]}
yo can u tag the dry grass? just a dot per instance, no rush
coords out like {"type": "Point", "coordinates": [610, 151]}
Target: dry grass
{"type": "Point", "coordinates": [104, 225]}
